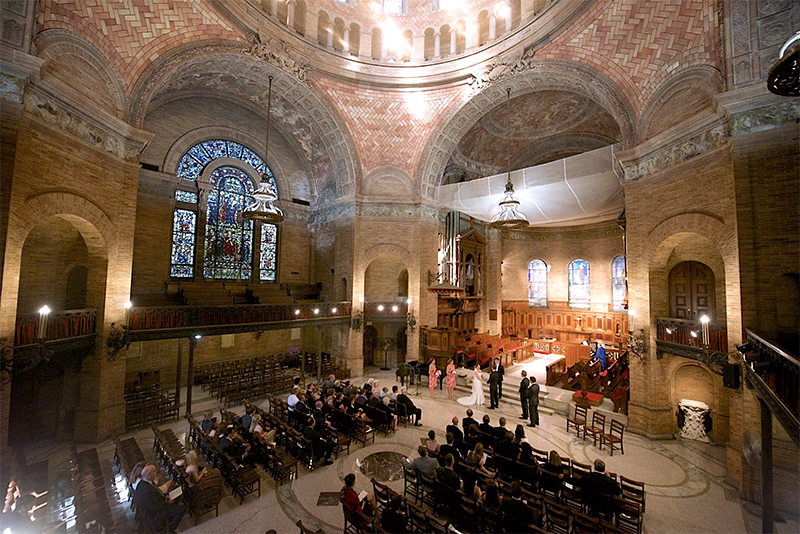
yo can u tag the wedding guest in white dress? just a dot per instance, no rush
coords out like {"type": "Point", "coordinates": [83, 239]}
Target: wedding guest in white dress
{"type": "Point", "coordinates": [477, 398]}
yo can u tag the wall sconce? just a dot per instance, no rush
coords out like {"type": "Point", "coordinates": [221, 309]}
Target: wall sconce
{"type": "Point", "coordinates": [637, 345]}
{"type": "Point", "coordinates": [117, 340]}
{"type": "Point", "coordinates": [411, 321]}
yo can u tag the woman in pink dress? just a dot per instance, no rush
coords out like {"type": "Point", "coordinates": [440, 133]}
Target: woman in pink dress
{"type": "Point", "coordinates": [450, 378]}
{"type": "Point", "coordinates": [433, 376]}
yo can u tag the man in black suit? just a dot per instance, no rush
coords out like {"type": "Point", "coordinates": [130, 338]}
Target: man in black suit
{"type": "Point", "coordinates": [500, 431]}
{"type": "Point", "coordinates": [533, 402]}
{"type": "Point", "coordinates": [410, 408]}
{"type": "Point", "coordinates": [523, 394]}
{"type": "Point", "coordinates": [500, 371]}
{"type": "Point", "coordinates": [452, 428]}
{"type": "Point", "coordinates": [157, 510]}
{"type": "Point", "coordinates": [468, 421]}
{"type": "Point", "coordinates": [494, 381]}
{"type": "Point", "coordinates": [448, 448]}
{"type": "Point", "coordinates": [598, 490]}
{"type": "Point", "coordinates": [516, 514]}
{"type": "Point", "coordinates": [485, 427]}
{"type": "Point", "coordinates": [447, 476]}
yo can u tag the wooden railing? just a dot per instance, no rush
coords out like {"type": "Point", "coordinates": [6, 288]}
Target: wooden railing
{"type": "Point", "coordinates": [61, 325]}
{"type": "Point", "coordinates": [690, 333]}
{"type": "Point", "coordinates": [169, 317]}
{"type": "Point", "coordinates": [386, 309]}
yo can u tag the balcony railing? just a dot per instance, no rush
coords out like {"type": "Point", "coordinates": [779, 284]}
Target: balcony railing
{"type": "Point", "coordinates": [690, 334]}
{"type": "Point", "coordinates": [176, 317]}
{"type": "Point", "coordinates": [57, 326]}
{"type": "Point", "coordinates": [775, 374]}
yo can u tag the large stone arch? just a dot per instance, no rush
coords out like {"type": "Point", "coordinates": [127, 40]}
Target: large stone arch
{"type": "Point", "coordinates": [386, 249]}
{"type": "Point", "coordinates": [59, 45]}
{"type": "Point", "coordinates": [703, 81]}
{"type": "Point", "coordinates": [532, 76]}
{"type": "Point", "coordinates": [298, 108]}
{"type": "Point", "coordinates": [387, 183]}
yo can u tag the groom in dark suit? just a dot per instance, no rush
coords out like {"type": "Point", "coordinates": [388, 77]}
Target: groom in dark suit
{"type": "Point", "coordinates": [500, 371]}
{"type": "Point", "coordinates": [494, 381]}
{"type": "Point", "coordinates": [523, 394]}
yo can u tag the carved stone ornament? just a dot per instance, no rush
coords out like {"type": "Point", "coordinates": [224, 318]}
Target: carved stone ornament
{"type": "Point", "coordinates": [277, 53]}
{"type": "Point", "coordinates": [675, 153]}
{"type": "Point", "coordinates": [497, 71]}
{"type": "Point", "coordinates": [64, 117]}
{"type": "Point", "coordinates": [765, 118]}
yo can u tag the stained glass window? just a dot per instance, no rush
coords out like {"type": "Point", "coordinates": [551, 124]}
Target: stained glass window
{"type": "Point", "coordinates": [185, 196]}
{"type": "Point", "coordinates": [184, 223]}
{"type": "Point", "coordinates": [579, 285]}
{"type": "Point", "coordinates": [618, 282]}
{"type": "Point", "coordinates": [229, 236]}
{"type": "Point", "coordinates": [196, 158]}
{"type": "Point", "coordinates": [268, 252]}
{"type": "Point", "coordinates": [537, 284]}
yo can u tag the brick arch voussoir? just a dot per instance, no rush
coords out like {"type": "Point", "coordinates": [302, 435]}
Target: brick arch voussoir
{"type": "Point", "coordinates": [703, 224]}
{"type": "Point", "coordinates": [59, 43]}
{"type": "Point", "coordinates": [556, 74]}
{"type": "Point", "coordinates": [93, 223]}
{"type": "Point", "coordinates": [386, 249]}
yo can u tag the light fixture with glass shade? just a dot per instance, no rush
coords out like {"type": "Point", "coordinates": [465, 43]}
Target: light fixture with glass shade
{"type": "Point", "coordinates": [261, 209]}
{"type": "Point", "coordinates": [509, 217]}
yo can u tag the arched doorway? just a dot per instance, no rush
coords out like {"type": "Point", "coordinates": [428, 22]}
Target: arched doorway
{"type": "Point", "coordinates": [691, 291]}
{"type": "Point", "coordinates": [370, 345]}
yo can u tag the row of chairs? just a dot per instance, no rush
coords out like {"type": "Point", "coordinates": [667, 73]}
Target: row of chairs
{"type": "Point", "coordinates": [89, 487]}
{"type": "Point", "coordinates": [149, 404]}
{"type": "Point", "coordinates": [597, 428]}
{"type": "Point", "coordinates": [235, 381]}
{"type": "Point", "coordinates": [241, 479]}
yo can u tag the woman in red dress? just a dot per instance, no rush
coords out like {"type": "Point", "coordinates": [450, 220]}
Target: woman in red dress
{"type": "Point", "coordinates": [433, 376]}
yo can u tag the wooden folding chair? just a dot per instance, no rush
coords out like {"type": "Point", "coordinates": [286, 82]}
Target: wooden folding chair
{"type": "Point", "coordinates": [614, 437]}
{"type": "Point", "coordinates": [596, 429]}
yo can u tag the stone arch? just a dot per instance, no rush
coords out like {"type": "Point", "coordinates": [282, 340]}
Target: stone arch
{"type": "Point", "coordinates": [300, 109]}
{"type": "Point", "coordinates": [385, 249]}
{"type": "Point", "coordinates": [719, 239]}
{"type": "Point", "coordinates": [56, 46]}
{"type": "Point", "coordinates": [696, 84]}
{"type": "Point", "coordinates": [536, 75]}
{"type": "Point", "coordinates": [387, 183]}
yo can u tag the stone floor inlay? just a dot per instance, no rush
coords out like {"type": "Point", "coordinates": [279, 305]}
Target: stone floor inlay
{"type": "Point", "coordinates": [384, 466]}
{"type": "Point", "coordinates": [328, 498]}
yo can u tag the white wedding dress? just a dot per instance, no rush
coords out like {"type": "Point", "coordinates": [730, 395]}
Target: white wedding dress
{"type": "Point", "coordinates": [477, 398]}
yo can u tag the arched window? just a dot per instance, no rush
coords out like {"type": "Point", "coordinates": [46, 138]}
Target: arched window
{"type": "Point", "coordinates": [537, 284]}
{"type": "Point", "coordinates": [579, 285]}
{"type": "Point", "coordinates": [227, 245]}
{"type": "Point", "coordinates": [618, 289]}
{"type": "Point", "coordinates": [394, 7]}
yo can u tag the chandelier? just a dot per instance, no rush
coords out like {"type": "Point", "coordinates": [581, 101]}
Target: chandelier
{"type": "Point", "coordinates": [509, 217]}
{"type": "Point", "coordinates": [261, 209]}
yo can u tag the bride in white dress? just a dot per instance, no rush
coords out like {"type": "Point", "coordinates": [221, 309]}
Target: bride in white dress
{"type": "Point", "coordinates": [477, 398]}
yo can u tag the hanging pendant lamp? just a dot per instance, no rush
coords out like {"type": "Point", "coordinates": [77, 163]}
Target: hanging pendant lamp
{"type": "Point", "coordinates": [509, 217]}
{"type": "Point", "coordinates": [261, 209]}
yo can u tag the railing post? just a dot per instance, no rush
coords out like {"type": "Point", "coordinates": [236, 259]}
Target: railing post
{"type": "Point", "coordinates": [767, 503]}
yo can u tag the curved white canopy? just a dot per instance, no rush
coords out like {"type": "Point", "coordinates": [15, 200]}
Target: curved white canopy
{"type": "Point", "coordinates": [581, 189]}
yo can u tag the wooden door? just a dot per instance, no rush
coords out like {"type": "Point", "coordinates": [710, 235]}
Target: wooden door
{"type": "Point", "coordinates": [370, 345]}
{"type": "Point", "coordinates": [691, 291]}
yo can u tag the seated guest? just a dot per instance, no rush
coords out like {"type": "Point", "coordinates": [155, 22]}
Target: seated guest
{"type": "Point", "coordinates": [411, 409]}
{"type": "Point", "coordinates": [293, 398]}
{"type": "Point", "coordinates": [317, 413]}
{"type": "Point", "coordinates": [431, 445]}
{"type": "Point", "coordinates": [519, 435]}
{"type": "Point", "coordinates": [485, 427]}
{"type": "Point", "coordinates": [552, 473]}
{"type": "Point", "coordinates": [384, 392]}
{"type": "Point", "coordinates": [500, 431]}
{"type": "Point", "coordinates": [449, 448]}
{"type": "Point", "coordinates": [490, 502]}
{"type": "Point", "coordinates": [384, 407]}
{"type": "Point", "coordinates": [392, 520]}
{"type": "Point", "coordinates": [157, 510]}
{"type": "Point", "coordinates": [374, 401]}
{"type": "Point", "coordinates": [516, 514]}
{"type": "Point", "coordinates": [475, 459]}
{"type": "Point", "coordinates": [191, 469]}
{"type": "Point", "coordinates": [320, 447]}
{"type": "Point", "coordinates": [394, 394]}
{"type": "Point", "coordinates": [301, 405]}
{"type": "Point", "coordinates": [362, 398]}
{"type": "Point", "coordinates": [506, 447]}
{"type": "Point", "coordinates": [598, 490]}
{"type": "Point", "coordinates": [255, 427]}
{"type": "Point", "coordinates": [452, 428]}
{"type": "Point", "coordinates": [526, 454]}
{"type": "Point", "coordinates": [349, 499]}
{"type": "Point", "coordinates": [207, 422]}
{"type": "Point", "coordinates": [329, 383]}
{"type": "Point", "coordinates": [468, 421]}
{"type": "Point", "coordinates": [425, 465]}
{"type": "Point", "coordinates": [446, 475]}
{"type": "Point", "coordinates": [246, 419]}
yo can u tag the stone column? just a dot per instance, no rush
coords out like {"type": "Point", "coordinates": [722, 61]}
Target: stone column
{"type": "Point", "coordinates": [492, 27]}
{"type": "Point", "coordinates": [453, 36]}
{"type": "Point", "coordinates": [346, 41]}
{"type": "Point", "coordinates": [290, 13]}
{"type": "Point", "coordinates": [437, 45]}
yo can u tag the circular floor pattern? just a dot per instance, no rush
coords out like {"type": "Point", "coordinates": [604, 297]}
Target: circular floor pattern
{"type": "Point", "coordinates": [383, 466]}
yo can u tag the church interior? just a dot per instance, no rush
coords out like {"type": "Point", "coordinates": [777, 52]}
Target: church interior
{"type": "Point", "coordinates": [203, 202]}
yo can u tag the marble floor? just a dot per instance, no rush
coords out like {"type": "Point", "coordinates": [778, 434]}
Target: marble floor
{"type": "Point", "coordinates": [684, 480]}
